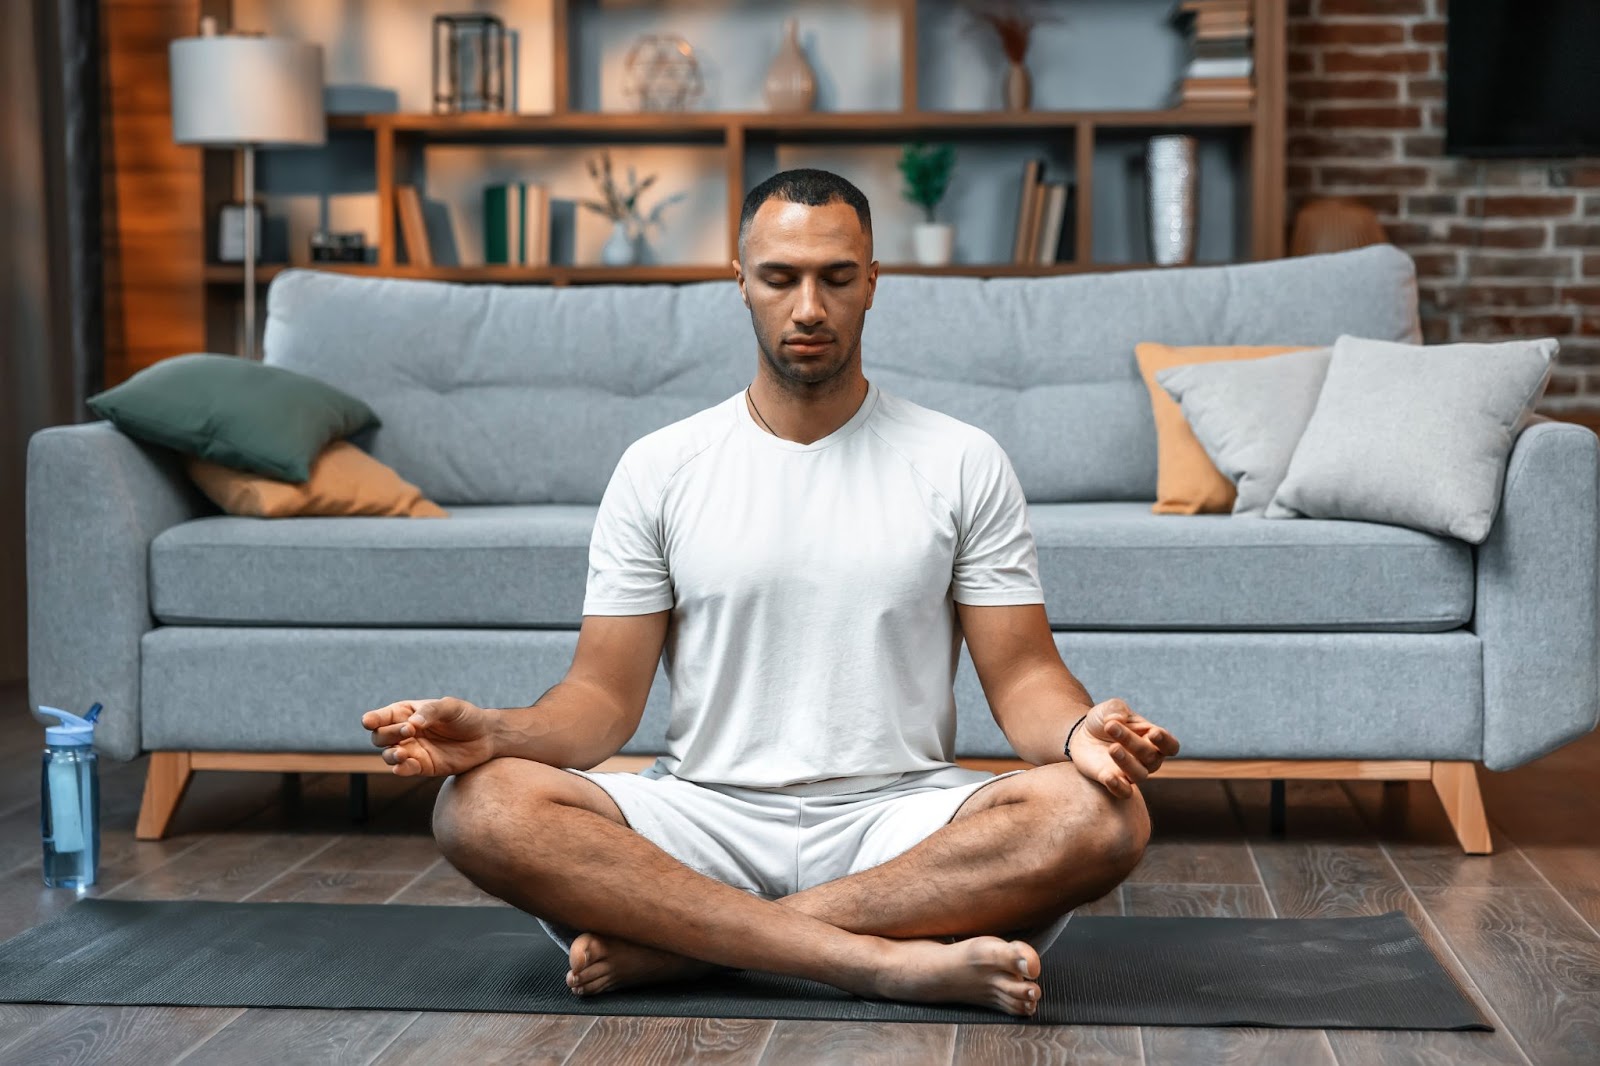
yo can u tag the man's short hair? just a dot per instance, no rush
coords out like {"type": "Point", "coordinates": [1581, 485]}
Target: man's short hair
{"type": "Point", "coordinates": [805, 185]}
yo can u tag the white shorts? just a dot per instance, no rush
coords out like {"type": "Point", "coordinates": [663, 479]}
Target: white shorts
{"type": "Point", "coordinates": [774, 844]}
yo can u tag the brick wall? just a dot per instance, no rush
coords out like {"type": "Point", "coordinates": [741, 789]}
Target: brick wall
{"type": "Point", "coordinates": [1503, 248]}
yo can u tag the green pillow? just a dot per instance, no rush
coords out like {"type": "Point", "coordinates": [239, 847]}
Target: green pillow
{"type": "Point", "coordinates": [235, 412]}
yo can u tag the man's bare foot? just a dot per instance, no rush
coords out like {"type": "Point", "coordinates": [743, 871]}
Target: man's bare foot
{"type": "Point", "coordinates": [985, 970]}
{"type": "Point", "coordinates": [603, 964]}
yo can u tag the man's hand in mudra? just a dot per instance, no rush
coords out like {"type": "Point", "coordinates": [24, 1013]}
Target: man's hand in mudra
{"type": "Point", "coordinates": [434, 737]}
{"type": "Point", "coordinates": [1118, 748]}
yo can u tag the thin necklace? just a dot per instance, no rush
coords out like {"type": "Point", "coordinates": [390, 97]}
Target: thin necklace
{"type": "Point", "coordinates": [757, 410]}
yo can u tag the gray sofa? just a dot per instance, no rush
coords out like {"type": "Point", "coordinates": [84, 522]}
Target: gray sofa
{"type": "Point", "coordinates": [1272, 648]}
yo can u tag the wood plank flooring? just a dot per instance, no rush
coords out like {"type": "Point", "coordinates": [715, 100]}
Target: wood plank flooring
{"type": "Point", "coordinates": [1519, 930]}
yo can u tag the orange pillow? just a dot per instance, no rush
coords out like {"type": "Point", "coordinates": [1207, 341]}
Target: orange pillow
{"type": "Point", "coordinates": [344, 481]}
{"type": "Point", "coordinates": [1187, 481]}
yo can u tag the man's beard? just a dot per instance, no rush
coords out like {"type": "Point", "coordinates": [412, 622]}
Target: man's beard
{"type": "Point", "coordinates": [810, 375]}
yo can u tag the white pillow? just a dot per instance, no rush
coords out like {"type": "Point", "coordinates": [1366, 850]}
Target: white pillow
{"type": "Point", "coordinates": [1415, 435]}
{"type": "Point", "coordinates": [1248, 415]}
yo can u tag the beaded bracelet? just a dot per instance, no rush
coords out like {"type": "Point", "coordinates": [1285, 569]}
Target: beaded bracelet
{"type": "Point", "coordinates": [1066, 749]}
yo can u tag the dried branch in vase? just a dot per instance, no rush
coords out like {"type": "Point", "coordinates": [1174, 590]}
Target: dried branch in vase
{"type": "Point", "coordinates": [622, 205]}
{"type": "Point", "coordinates": [1013, 23]}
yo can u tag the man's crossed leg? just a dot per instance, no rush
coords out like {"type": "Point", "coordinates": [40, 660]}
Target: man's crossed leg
{"type": "Point", "coordinates": [1020, 852]}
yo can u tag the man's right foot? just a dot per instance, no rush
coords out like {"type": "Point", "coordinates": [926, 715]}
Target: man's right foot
{"type": "Point", "coordinates": [983, 970]}
{"type": "Point", "coordinates": [602, 964]}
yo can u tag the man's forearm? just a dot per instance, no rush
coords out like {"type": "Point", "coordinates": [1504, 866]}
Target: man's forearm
{"type": "Point", "coordinates": [572, 724]}
{"type": "Point", "coordinates": [1040, 710]}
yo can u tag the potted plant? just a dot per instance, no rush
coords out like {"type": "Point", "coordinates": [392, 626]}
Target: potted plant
{"type": "Point", "coordinates": [628, 227]}
{"type": "Point", "coordinates": [927, 174]}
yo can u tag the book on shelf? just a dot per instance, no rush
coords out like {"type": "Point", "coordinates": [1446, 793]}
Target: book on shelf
{"type": "Point", "coordinates": [1212, 12]}
{"type": "Point", "coordinates": [1211, 7]}
{"type": "Point", "coordinates": [1219, 32]}
{"type": "Point", "coordinates": [562, 228]}
{"type": "Point", "coordinates": [536, 226]}
{"type": "Point", "coordinates": [1028, 197]}
{"type": "Point", "coordinates": [1220, 69]}
{"type": "Point", "coordinates": [1202, 92]}
{"type": "Point", "coordinates": [413, 229]}
{"type": "Point", "coordinates": [1213, 22]}
{"type": "Point", "coordinates": [1221, 48]}
{"type": "Point", "coordinates": [516, 224]}
{"type": "Point", "coordinates": [1056, 239]}
{"type": "Point", "coordinates": [1047, 218]}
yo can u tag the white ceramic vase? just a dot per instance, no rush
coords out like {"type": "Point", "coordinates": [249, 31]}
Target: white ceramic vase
{"type": "Point", "coordinates": [931, 242]}
{"type": "Point", "coordinates": [619, 247]}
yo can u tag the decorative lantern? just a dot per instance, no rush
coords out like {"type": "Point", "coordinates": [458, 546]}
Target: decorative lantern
{"type": "Point", "coordinates": [469, 64]}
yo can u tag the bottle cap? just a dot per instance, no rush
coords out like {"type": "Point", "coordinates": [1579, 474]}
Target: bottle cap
{"type": "Point", "coordinates": [73, 732]}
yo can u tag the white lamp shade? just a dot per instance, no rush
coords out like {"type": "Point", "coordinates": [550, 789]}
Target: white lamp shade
{"type": "Point", "coordinates": [230, 90]}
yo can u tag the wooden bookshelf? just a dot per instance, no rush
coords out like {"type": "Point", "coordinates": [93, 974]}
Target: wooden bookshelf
{"type": "Point", "coordinates": [692, 126]}
{"type": "Point", "coordinates": [399, 138]}
{"type": "Point", "coordinates": [228, 274]}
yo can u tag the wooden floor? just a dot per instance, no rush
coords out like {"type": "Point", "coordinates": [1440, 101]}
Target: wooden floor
{"type": "Point", "coordinates": [1517, 929]}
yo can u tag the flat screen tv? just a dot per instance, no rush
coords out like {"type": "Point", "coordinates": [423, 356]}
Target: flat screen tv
{"type": "Point", "coordinates": [1522, 78]}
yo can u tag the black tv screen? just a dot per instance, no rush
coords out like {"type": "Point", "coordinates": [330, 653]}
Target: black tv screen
{"type": "Point", "coordinates": [1522, 78]}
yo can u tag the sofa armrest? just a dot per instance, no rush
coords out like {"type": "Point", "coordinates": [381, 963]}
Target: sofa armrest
{"type": "Point", "coordinates": [95, 499]}
{"type": "Point", "coordinates": [1538, 598]}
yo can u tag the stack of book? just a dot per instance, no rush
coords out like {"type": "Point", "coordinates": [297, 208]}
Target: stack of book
{"type": "Point", "coordinates": [1220, 63]}
{"type": "Point", "coordinates": [516, 224]}
{"type": "Point", "coordinates": [1046, 218]}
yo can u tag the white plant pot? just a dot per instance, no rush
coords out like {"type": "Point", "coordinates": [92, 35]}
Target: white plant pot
{"type": "Point", "coordinates": [931, 242]}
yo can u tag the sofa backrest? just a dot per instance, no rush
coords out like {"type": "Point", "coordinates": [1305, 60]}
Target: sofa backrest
{"type": "Point", "coordinates": [530, 394]}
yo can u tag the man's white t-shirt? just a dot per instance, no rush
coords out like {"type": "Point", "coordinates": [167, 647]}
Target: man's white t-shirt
{"type": "Point", "coordinates": [813, 640]}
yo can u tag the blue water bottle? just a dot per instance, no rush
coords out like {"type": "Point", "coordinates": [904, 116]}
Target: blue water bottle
{"type": "Point", "coordinates": [69, 812]}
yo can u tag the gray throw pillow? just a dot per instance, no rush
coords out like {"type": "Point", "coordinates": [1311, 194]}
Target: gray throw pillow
{"type": "Point", "coordinates": [1248, 415]}
{"type": "Point", "coordinates": [1415, 435]}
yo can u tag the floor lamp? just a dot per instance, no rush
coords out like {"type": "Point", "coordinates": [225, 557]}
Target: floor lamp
{"type": "Point", "coordinates": [246, 92]}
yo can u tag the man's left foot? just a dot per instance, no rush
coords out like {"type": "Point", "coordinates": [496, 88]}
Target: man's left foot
{"type": "Point", "coordinates": [603, 964]}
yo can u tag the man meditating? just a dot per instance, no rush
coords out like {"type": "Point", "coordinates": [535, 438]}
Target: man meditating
{"type": "Point", "coordinates": [808, 555]}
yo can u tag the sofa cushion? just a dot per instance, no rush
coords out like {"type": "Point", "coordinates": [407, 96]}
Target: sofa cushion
{"type": "Point", "coordinates": [344, 481]}
{"type": "Point", "coordinates": [1225, 695]}
{"type": "Point", "coordinates": [1187, 478]}
{"type": "Point", "coordinates": [1416, 435]}
{"type": "Point", "coordinates": [235, 412]}
{"type": "Point", "coordinates": [495, 394]}
{"type": "Point", "coordinates": [1248, 415]}
{"type": "Point", "coordinates": [1117, 566]}
{"type": "Point", "coordinates": [1110, 565]}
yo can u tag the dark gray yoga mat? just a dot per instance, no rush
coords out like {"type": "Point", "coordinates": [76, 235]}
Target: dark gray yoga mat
{"type": "Point", "coordinates": [1336, 973]}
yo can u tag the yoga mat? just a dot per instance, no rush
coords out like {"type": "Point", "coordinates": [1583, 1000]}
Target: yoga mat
{"type": "Point", "coordinates": [1336, 973]}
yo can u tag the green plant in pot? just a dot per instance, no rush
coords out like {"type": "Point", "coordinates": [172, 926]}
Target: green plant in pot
{"type": "Point", "coordinates": [927, 175]}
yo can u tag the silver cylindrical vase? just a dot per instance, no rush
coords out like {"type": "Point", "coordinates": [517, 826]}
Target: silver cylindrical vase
{"type": "Point", "coordinates": [1171, 166]}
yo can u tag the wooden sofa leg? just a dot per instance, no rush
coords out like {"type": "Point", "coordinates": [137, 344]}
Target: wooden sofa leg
{"type": "Point", "coordinates": [164, 786]}
{"type": "Point", "coordinates": [1457, 785]}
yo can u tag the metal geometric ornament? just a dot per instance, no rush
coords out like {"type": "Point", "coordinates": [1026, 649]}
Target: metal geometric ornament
{"type": "Point", "coordinates": [662, 73]}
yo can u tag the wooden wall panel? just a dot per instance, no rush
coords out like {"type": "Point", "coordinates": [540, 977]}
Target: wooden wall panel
{"type": "Point", "coordinates": [153, 229]}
